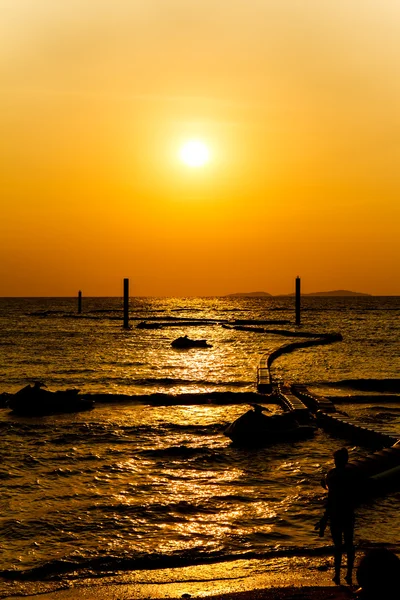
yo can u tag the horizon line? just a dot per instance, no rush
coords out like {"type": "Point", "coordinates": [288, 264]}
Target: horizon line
{"type": "Point", "coordinates": [236, 295]}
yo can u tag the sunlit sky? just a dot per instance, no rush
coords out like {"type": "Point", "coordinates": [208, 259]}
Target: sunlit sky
{"type": "Point", "coordinates": [296, 102]}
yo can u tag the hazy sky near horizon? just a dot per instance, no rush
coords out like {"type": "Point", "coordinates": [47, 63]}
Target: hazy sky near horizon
{"type": "Point", "coordinates": [297, 102]}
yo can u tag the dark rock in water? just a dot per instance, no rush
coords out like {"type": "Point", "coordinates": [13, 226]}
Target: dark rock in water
{"type": "Point", "coordinates": [35, 401]}
{"type": "Point", "coordinates": [146, 325]}
{"type": "Point", "coordinates": [256, 429]}
{"type": "Point", "coordinates": [185, 342]}
{"type": "Point", "coordinates": [4, 399]}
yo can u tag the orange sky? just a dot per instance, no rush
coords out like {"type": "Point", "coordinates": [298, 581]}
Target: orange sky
{"type": "Point", "coordinates": [297, 101]}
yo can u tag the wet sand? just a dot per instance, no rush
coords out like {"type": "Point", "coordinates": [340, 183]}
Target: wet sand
{"type": "Point", "coordinates": [116, 592]}
{"type": "Point", "coordinates": [270, 593]}
{"type": "Point", "coordinates": [291, 593]}
{"type": "Point", "coordinates": [288, 579]}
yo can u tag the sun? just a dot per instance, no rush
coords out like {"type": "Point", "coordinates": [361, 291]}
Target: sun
{"type": "Point", "coordinates": [194, 153]}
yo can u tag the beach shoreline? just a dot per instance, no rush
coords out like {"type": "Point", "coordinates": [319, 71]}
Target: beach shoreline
{"type": "Point", "coordinates": [270, 593]}
{"type": "Point", "coordinates": [284, 578]}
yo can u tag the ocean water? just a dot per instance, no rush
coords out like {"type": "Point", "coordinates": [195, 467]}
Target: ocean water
{"type": "Point", "coordinates": [129, 487]}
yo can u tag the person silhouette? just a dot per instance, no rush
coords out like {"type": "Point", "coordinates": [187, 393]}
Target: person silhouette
{"type": "Point", "coordinates": [341, 484]}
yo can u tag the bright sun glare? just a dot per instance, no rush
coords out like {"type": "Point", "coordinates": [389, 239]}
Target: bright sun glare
{"type": "Point", "coordinates": [194, 153]}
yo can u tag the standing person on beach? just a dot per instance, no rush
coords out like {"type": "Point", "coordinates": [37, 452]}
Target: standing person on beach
{"type": "Point", "coordinates": [341, 484]}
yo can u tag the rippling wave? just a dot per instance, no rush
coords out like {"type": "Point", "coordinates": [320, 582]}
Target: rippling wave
{"type": "Point", "coordinates": [368, 385]}
{"type": "Point", "coordinates": [147, 479]}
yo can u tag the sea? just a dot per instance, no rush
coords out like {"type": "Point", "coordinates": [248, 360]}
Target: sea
{"type": "Point", "coordinates": [147, 482]}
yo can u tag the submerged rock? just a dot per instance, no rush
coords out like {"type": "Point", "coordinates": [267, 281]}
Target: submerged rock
{"type": "Point", "coordinates": [185, 342]}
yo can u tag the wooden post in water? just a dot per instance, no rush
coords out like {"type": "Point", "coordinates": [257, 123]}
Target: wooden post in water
{"type": "Point", "coordinates": [297, 300]}
{"type": "Point", "coordinates": [79, 302]}
{"type": "Point", "coordinates": [126, 303]}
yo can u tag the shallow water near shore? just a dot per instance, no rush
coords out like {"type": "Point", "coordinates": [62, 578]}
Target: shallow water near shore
{"type": "Point", "coordinates": [128, 488]}
{"type": "Point", "coordinates": [198, 581]}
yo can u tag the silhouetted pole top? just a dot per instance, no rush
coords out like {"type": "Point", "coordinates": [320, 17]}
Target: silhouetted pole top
{"type": "Point", "coordinates": [126, 303]}
{"type": "Point", "coordinates": [297, 300]}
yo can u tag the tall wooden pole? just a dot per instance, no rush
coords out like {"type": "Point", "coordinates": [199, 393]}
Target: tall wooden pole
{"type": "Point", "coordinates": [126, 303]}
{"type": "Point", "coordinates": [79, 302]}
{"type": "Point", "coordinates": [297, 300]}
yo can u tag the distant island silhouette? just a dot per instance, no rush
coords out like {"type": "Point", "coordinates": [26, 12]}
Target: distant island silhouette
{"type": "Point", "coordinates": [334, 293]}
{"type": "Point", "coordinates": [337, 293]}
